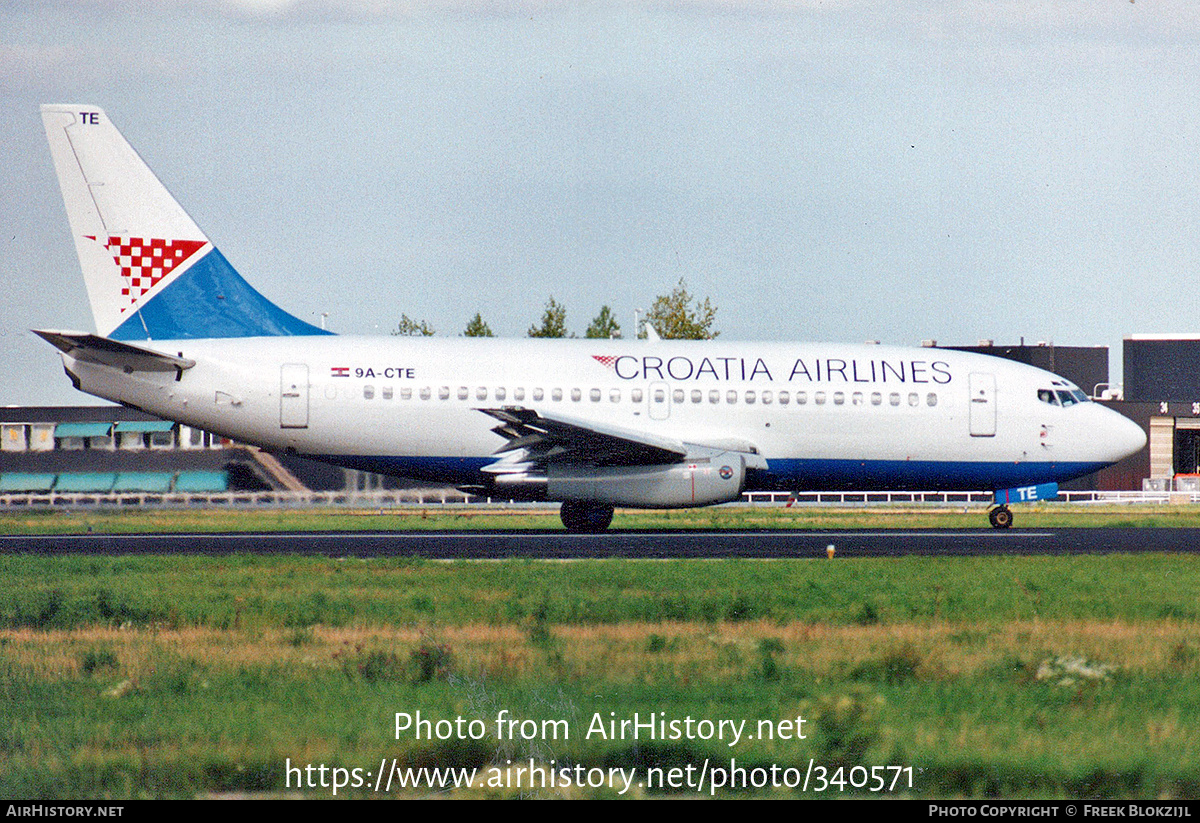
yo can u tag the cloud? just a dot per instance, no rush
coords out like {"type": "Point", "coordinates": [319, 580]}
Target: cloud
{"type": "Point", "coordinates": [40, 68]}
{"type": "Point", "coordinates": [22, 59]}
{"type": "Point", "coordinates": [1180, 18]}
{"type": "Point", "coordinates": [301, 10]}
{"type": "Point", "coordinates": [28, 68]}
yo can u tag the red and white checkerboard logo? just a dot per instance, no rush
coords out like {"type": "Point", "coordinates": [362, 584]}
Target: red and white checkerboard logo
{"type": "Point", "coordinates": [146, 261]}
{"type": "Point", "coordinates": [605, 360]}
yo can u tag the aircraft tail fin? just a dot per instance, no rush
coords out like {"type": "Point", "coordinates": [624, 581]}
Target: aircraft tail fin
{"type": "Point", "coordinates": [151, 273]}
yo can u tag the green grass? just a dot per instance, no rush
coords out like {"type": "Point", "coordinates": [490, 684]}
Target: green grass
{"type": "Point", "coordinates": [183, 676]}
{"type": "Point", "coordinates": [486, 517]}
{"type": "Point", "coordinates": [286, 592]}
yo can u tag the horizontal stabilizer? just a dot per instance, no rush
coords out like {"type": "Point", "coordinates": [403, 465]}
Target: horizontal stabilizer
{"type": "Point", "coordinates": [92, 348]}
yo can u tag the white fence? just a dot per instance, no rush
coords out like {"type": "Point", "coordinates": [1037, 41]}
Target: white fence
{"type": "Point", "coordinates": [444, 497]}
{"type": "Point", "coordinates": [964, 498]}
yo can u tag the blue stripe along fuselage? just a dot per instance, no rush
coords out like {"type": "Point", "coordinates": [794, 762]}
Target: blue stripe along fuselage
{"type": "Point", "coordinates": [210, 299]}
{"type": "Point", "coordinates": [931, 475]}
{"type": "Point", "coordinates": [783, 474]}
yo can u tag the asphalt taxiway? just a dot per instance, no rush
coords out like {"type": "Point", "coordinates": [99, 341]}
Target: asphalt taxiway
{"type": "Point", "coordinates": [559, 545]}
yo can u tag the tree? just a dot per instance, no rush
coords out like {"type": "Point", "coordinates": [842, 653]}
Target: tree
{"type": "Point", "coordinates": [412, 328]}
{"type": "Point", "coordinates": [554, 321]}
{"type": "Point", "coordinates": [478, 328]}
{"type": "Point", "coordinates": [604, 326]}
{"type": "Point", "coordinates": [674, 317]}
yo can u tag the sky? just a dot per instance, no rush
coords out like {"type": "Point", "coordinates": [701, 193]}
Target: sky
{"type": "Point", "coordinates": [827, 170]}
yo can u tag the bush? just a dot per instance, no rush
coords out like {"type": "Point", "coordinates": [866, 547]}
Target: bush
{"type": "Point", "coordinates": [848, 725]}
{"type": "Point", "coordinates": [97, 659]}
{"type": "Point", "coordinates": [768, 647]}
{"type": "Point", "coordinates": [894, 668]}
{"type": "Point", "coordinates": [433, 661]}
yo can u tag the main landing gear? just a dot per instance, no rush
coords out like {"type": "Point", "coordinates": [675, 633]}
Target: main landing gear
{"type": "Point", "coordinates": [1000, 517]}
{"type": "Point", "coordinates": [585, 516]}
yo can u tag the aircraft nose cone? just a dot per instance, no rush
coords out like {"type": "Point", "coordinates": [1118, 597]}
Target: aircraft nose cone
{"type": "Point", "coordinates": [1126, 437]}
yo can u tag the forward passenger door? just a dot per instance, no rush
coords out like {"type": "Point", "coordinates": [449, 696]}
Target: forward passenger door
{"type": "Point", "coordinates": [983, 404]}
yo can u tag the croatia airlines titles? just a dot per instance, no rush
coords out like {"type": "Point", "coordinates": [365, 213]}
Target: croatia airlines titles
{"type": "Point", "coordinates": [811, 370]}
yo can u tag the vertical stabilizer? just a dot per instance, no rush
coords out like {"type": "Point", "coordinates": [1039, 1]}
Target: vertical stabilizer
{"type": "Point", "coordinates": [150, 272]}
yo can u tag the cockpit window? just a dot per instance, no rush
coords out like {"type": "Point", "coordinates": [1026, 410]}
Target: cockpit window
{"type": "Point", "coordinates": [1062, 397]}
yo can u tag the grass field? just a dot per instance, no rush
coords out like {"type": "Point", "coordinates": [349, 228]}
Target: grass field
{"type": "Point", "coordinates": [186, 676]}
{"type": "Point", "coordinates": [774, 516]}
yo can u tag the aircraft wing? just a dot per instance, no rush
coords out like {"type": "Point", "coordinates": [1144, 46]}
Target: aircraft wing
{"type": "Point", "coordinates": [546, 438]}
{"type": "Point", "coordinates": [92, 348]}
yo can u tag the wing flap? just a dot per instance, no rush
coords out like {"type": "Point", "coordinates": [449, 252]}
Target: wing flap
{"type": "Point", "coordinates": [558, 438]}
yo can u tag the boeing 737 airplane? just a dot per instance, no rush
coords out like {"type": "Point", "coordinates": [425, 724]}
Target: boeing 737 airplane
{"type": "Point", "coordinates": [591, 423]}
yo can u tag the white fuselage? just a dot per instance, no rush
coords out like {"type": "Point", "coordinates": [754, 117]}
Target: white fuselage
{"type": "Point", "coordinates": [821, 415]}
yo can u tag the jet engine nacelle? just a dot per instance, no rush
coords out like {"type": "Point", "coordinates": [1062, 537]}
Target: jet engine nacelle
{"type": "Point", "coordinates": [696, 482]}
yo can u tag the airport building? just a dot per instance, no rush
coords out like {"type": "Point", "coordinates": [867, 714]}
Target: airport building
{"type": "Point", "coordinates": [1162, 392]}
{"type": "Point", "coordinates": [114, 450]}
{"type": "Point", "coordinates": [1085, 366]}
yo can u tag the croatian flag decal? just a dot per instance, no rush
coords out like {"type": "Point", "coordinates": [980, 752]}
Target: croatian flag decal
{"type": "Point", "coordinates": [146, 261]}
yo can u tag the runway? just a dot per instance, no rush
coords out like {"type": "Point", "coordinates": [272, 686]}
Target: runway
{"type": "Point", "coordinates": [559, 545]}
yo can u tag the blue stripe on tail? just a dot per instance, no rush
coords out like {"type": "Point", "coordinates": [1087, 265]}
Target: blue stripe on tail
{"type": "Point", "coordinates": [210, 299]}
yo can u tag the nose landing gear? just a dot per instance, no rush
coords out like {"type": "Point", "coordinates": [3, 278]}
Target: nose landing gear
{"type": "Point", "coordinates": [1000, 517]}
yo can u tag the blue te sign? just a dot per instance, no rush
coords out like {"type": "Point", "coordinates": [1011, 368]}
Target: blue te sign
{"type": "Point", "coordinates": [1026, 494]}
